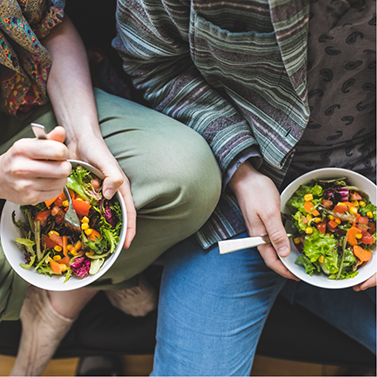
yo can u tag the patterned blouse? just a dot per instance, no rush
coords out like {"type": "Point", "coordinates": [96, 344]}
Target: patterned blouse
{"type": "Point", "coordinates": [341, 89]}
{"type": "Point", "coordinates": [24, 62]}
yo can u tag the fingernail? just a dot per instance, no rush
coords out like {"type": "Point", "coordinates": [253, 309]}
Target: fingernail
{"type": "Point", "coordinates": [108, 194]}
{"type": "Point", "coordinates": [283, 251]}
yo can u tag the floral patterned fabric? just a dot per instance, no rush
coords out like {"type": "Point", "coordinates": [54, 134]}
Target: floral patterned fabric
{"type": "Point", "coordinates": [24, 62]}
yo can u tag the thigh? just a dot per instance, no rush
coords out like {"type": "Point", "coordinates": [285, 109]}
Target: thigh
{"type": "Point", "coordinates": [12, 290]}
{"type": "Point", "coordinates": [352, 312]}
{"type": "Point", "coordinates": [212, 309]}
{"type": "Point", "coordinates": [175, 179]}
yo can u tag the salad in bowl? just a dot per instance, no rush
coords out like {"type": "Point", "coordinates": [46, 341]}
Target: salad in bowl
{"type": "Point", "coordinates": [54, 255]}
{"type": "Point", "coordinates": [333, 216]}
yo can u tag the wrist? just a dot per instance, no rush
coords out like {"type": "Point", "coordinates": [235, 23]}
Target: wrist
{"type": "Point", "coordinates": [241, 176]}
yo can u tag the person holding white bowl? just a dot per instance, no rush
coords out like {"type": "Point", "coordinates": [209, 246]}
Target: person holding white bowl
{"type": "Point", "coordinates": [165, 172]}
{"type": "Point", "coordinates": [277, 88]}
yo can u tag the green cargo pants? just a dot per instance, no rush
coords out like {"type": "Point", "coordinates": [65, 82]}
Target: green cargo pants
{"type": "Point", "coordinates": [174, 177]}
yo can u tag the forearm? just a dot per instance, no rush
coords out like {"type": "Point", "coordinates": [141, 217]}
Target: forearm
{"type": "Point", "coordinates": [69, 84]}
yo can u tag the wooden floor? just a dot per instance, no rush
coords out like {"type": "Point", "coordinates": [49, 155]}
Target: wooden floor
{"type": "Point", "coordinates": [142, 366]}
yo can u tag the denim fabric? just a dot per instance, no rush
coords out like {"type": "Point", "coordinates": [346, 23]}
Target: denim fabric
{"type": "Point", "coordinates": [213, 307]}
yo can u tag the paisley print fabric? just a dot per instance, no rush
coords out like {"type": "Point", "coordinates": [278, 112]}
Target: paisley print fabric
{"type": "Point", "coordinates": [341, 89]}
{"type": "Point", "coordinates": [24, 62]}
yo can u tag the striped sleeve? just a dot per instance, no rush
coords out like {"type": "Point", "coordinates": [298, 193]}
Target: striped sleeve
{"type": "Point", "coordinates": [156, 55]}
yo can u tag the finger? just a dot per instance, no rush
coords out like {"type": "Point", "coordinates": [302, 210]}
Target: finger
{"type": "Point", "coordinates": [125, 191]}
{"type": "Point", "coordinates": [25, 168]}
{"type": "Point", "coordinates": [272, 261]}
{"type": "Point", "coordinates": [277, 233]}
{"type": "Point", "coordinates": [48, 184]}
{"type": "Point", "coordinates": [57, 134]}
{"type": "Point", "coordinates": [371, 282]}
{"type": "Point", "coordinates": [34, 197]}
{"type": "Point", "coordinates": [40, 149]}
{"type": "Point", "coordinates": [113, 179]}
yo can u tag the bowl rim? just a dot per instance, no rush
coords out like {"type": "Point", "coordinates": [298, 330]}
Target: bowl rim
{"type": "Point", "coordinates": [46, 282]}
{"type": "Point", "coordinates": [320, 280]}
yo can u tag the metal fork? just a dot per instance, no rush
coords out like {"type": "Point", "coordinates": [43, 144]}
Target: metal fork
{"type": "Point", "coordinates": [71, 219]}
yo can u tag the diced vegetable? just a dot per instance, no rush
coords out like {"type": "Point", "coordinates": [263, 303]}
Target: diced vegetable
{"type": "Point", "coordinates": [336, 227]}
{"type": "Point", "coordinates": [363, 255]}
{"type": "Point", "coordinates": [52, 248]}
{"type": "Point", "coordinates": [81, 207]}
{"type": "Point", "coordinates": [42, 216]}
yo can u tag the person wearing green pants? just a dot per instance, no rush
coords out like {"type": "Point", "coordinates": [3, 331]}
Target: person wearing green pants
{"type": "Point", "coordinates": [165, 172]}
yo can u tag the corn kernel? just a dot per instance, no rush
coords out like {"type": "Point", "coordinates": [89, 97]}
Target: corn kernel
{"type": "Point", "coordinates": [88, 232]}
{"type": "Point", "coordinates": [308, 197]}
{"type": "Point", "coordinates": [89, 253]}
{"type": "Point", "coordinates": [370, 214]}
{"type": "Point", "coordinates": [321, 259]}
{"type": "Point", "coordinates": [309, 217]}
{"type": "Point", "coordinates": [358, 236]}
{"type": "Point", "coordinates": [297, 240]}
{"type": "Point", "coordinates": [57, 258]}
{"type": "Point", "coordinates": [362, 204]}
{"type": "Point", "coordinates": [74, 252]}
{"type": "Point", "coordinates": [85, 220]}
{"type": "Point", "coordinates": [353, 210]}
{"type": "Point", "coordinates": [355, 203]}
{"type": "Point", "coordinates": [63, 267]}
{"type": "Point", "coordinates": [84, 226]}
{"type": "Point", "coordinates": [317, 220]}
{"type": "Point", "coordinates": [65, 203]}
{"type": "Point", "coordinates": [338, 221]}
{"type": "Point", "coordinates": [58, 248]}
{"type": "Point", "coordinates": [331, 217]}
{"type": "Point", "coordinates": [53, 232]}
{"type": "Point", "coordinates": [309, 230]}
{"type": "Point", "coordinates": [79, 199]}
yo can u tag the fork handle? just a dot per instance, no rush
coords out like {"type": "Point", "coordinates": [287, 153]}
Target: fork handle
{"type": "Point", "coordinates": [39, 131]}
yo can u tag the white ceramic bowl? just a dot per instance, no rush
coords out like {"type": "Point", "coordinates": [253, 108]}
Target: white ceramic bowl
{"type": "Point", "coordinates": [321, 280]}
{"type": "Point", "coordinates": [9, 232]}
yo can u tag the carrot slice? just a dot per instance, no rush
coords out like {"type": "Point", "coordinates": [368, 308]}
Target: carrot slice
{"type": "Point", "coordinates": [65, 248]}
{"type": "Point", "coordinates": [55, 267]}
{"type": "Point", "coordinates": [351, 233]}
{"type": "Point", "coordinates": [94, 235]}
{"type": "Point", "coordinates": [310, 208]}
{"type": "Point", "coordinates": [362, 254]}
{"type": "Point", "coordinates": [51, 201]}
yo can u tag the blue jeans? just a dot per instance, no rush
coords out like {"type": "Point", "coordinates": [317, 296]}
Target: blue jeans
{"type": "Point", "coordinates": [213, 307]}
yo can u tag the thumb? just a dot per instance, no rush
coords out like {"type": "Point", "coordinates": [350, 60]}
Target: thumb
{"type": "Point", "coordinates": [280, 242]}
{"type": "Point", "coordinates": [57, 134]}
{"type": "Point", "coordinates": [112, 183]}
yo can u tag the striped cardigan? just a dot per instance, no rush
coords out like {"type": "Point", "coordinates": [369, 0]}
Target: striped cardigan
{"type": "Point", "coordinates": [233, 70]}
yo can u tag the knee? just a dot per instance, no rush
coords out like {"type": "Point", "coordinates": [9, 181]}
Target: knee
{"type": "Point", "coordinates": [179, 180]}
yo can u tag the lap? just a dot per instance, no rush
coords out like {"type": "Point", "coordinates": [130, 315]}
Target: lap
{"type": "Point", "coordinates": [174, 177]}
{"type": "Point", "coordinates": [212, 309]}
